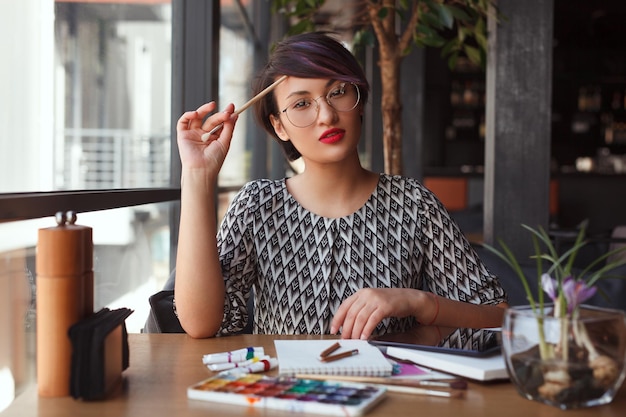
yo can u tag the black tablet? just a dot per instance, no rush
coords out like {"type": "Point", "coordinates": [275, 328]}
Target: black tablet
{"type": "Point", "coordinates": [458, 341]}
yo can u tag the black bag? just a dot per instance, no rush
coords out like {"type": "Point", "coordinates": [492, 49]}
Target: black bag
{"type": "Point", "coordinates": [162, 317]}
{"type": "Point", "coordinates": [99, 353]}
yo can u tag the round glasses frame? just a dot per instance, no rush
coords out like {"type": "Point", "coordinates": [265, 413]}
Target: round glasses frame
{"type": "Point", "coordinates": [328, 101]}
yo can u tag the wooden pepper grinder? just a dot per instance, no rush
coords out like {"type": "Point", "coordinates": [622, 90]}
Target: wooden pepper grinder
{"type": "Point", "coordinates": [64, 264]}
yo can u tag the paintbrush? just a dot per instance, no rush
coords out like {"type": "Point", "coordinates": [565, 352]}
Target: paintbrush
{"type": "Point", "coordinates": [458, 384]}
{"type": "Point", "coordinates": [249, 103]}
{"type": "Point", "coordinates": [390, 384]}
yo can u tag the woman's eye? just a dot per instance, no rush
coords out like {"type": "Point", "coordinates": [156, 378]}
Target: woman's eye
{"type": "Point", "coordinates": [301, 104]}
{"type": "Point", "coordinates": [338, 91]}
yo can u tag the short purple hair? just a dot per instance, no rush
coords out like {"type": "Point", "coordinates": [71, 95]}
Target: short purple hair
{"type": "Point", "coordinates": [308, 55]}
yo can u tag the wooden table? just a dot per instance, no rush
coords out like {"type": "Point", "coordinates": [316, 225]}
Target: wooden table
{"type": "Point", "coordinates": [162, 366]}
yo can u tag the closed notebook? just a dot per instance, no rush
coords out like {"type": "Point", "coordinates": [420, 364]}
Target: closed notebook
{"type": "Point", "coordinates": [477, 368]}
{"type": "Point", "coordinates": [303, 357]}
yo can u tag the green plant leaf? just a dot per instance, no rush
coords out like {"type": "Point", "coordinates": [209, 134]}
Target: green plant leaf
{"type": "Point", "coordinates": [452, 60]}
{"type": "Point", "coordinates": [459, 14]}
{"type": "Point", "coordinates": [401, 13]}
{"type": "Point", "coordinates": [430, 19]}
{"type": "Point", "coordinates": [603, 272]}
{"type": "Point", "coordinates": [364, 37]}
{"type": "Point", "coordinates": [544, 237]}
{"type": "Point", "coordinates": [301, 27]}
{"type": "Point", "coordinates": [383, 13]}
{"type": "Point", "coordinates": [473, 54]}
{"type": "Point", "coordinates": [315, 4]}
{"type": "Point", "coordinates": [435, 41]}
{"type": "Point", "coordinates": [445, 15]}
{"type": "Point", "coordinates": [480, 34]}
{"type": "Point", "coordinates": [508, 257]}
{"type": "Point", "coordinates": [450, 47]}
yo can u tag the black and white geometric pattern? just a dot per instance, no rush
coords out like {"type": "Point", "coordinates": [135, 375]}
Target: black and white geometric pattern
{"type": "Point", "coordinates": [302, 266]}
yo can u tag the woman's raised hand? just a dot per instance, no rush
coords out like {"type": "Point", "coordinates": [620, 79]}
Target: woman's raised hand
{"type": "Point", "coordinates": [196, 154]}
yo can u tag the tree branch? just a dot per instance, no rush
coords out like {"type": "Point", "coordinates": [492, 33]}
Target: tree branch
{"type": "Point", "coordinates": [407, 36]}
{"type": "Point", "coordinates": [373, 9]}
{"type": "Point", "coordinates": [384, 30]}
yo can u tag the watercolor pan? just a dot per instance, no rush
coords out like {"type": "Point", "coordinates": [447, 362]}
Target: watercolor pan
{"type": "Point", "coordinates": [288, 393]}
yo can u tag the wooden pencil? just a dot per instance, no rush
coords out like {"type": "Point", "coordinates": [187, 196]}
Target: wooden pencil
{"type": "Point", "coordinates": [249, 103]}
{"type": "Point", "coordinates": [330, 350]}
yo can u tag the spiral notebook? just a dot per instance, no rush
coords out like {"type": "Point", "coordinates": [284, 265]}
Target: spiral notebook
{"type": "Point", "coordinates": [303, 357]}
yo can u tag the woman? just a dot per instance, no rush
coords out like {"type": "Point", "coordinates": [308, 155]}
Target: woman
{"type": "Point", "coordinates": [334, 249]}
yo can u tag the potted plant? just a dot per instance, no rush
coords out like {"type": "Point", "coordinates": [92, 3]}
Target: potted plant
{"type": "Point", "coordinates": [561, 351]}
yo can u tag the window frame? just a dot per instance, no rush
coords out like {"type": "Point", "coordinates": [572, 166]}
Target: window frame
{"type": "Point", "coordinates": [26, 206]}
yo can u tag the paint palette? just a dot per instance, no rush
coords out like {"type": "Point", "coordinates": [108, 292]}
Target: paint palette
{"type": "Point", "coordinates": [288, 393]}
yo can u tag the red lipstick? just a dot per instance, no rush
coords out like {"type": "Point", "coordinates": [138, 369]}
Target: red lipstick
{"type": "Point", "coordinates": [332, 135]}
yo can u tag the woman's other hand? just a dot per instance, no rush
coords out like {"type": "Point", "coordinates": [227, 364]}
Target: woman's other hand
{"type": "Point", "coordinates": [359, 314]}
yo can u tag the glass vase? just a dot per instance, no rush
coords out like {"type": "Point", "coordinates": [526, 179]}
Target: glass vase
{"type": "Point", "coordinates": [571, 362]}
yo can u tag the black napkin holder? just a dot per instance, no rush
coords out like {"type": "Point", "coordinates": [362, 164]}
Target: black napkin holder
{"type": "Point", "coordinates": [99, 354]}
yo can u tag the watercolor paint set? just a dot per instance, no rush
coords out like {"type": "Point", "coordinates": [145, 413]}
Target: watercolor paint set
{"type": "Point", "coordinates": [288, 393]}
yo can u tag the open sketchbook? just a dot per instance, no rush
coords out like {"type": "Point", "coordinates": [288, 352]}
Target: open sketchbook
{"type": "Point", "coordinates": [303, 357]}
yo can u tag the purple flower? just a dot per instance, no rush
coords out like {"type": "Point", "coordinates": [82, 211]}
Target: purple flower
{"type": "Point", "coordinates": [576, 292]}
{"type": "Point", "coordinates": [550, 286]}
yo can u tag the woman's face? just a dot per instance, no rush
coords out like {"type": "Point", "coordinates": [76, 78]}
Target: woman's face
{"type": "Point", "coordinates": [321, 117]}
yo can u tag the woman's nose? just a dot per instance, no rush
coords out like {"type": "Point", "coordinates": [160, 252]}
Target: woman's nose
{"type": "Point", "coordinates": [327, 113]}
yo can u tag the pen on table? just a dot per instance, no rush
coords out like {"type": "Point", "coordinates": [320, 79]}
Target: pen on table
{"type": "Point", "coordinates": [250, 102]}
{"type": "Point", "coordinates": [238, 355]}
{"type": "Point", "coordinates": [388, 385]}
{"type": "Point", "coordinates": [332, 358]}
{"type": "Point", "coordinates": [330, 350]}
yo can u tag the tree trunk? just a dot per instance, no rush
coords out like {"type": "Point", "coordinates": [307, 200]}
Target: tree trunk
{"type": "Point", "coordinates": [390, 49]}
{"type": "Point", "coordinates": [391, 111]}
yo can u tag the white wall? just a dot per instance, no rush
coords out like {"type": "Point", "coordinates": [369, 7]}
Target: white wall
{"type": "Point", "coordinates": [26, 94]}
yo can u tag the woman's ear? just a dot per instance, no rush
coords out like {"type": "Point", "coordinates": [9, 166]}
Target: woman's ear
{"type": "Point", "coordinates": [278, 128]}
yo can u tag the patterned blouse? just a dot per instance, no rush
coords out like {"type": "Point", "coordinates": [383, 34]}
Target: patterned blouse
{"type": "Point", "coordinates": [301, 266]}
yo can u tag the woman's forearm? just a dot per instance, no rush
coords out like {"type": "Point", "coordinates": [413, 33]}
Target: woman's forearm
{"type": "Point", "coordinates": [452, 313]}
{"type": "Point", "coordinates": [199, 284]}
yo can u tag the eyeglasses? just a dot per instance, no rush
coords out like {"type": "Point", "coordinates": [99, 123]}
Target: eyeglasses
{"type": "Point", "coordinates": [342, 97]}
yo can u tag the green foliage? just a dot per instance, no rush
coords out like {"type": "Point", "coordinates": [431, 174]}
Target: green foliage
{"type": "Point", "coordinates": [458, 27]}
{"type": "Point", "coordinates": [561, 266]}
{"type": "Point", "coordinates": [301, 12]}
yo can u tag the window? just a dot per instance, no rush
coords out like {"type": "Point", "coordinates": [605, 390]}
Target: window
{"type": "Point", "coordinates": [84, 125]}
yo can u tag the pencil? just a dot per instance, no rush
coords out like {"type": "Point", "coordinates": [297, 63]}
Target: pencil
{"type": "Point", "coordinates": [341, 355]}
{"type": "Point", "coordinates": [249, 103]}
{"type": "Point", "coordinates": [330, 350]}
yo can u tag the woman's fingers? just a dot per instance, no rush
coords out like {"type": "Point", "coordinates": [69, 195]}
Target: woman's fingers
{"type": "Point", "coordinates": [359, 314]}
{"type": "Point", "coordinates": [194, 119]}
{"type": "Point", "coordinates": [352, 317]}
{"type": "Point", "coordinates": [198, 121]}
{"type": "Point", "coordinates": [218, 118]}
